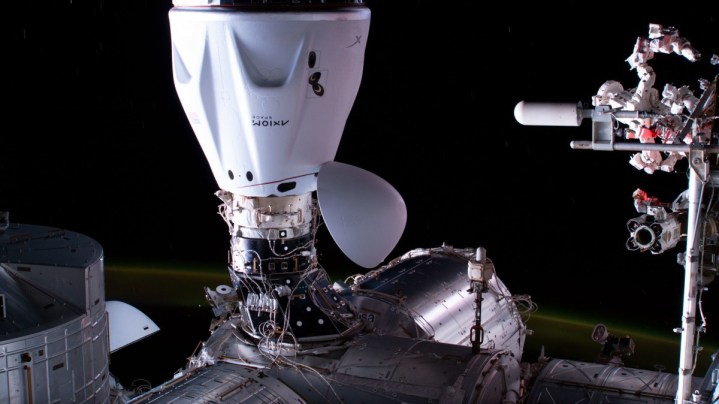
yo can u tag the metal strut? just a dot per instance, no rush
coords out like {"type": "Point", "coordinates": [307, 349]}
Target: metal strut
{"type": "Point", "coordinates": [476, 335]}
{"type": "Point", "coordinates": [479, 270]}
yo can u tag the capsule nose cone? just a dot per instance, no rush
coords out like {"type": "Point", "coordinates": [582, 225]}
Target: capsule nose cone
{"type": "Point", "coordinates": [519, 113]}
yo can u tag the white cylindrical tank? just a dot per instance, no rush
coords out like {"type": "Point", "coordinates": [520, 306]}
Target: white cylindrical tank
{"type": "Point", "coordinates": [547, 114]}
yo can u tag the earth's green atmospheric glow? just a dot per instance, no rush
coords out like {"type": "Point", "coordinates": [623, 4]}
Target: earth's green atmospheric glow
{"type": "Point", "coordinates": [559, 333]}
{"type": "Point", "coordinates": [162, 284]}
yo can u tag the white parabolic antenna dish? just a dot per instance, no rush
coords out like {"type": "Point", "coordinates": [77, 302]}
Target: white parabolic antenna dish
{"type": "Point", "coordinates": [364, 214]}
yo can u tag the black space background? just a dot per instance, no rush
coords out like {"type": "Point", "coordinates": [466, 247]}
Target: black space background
{"type": "Point", "coordinates": [94, 140]}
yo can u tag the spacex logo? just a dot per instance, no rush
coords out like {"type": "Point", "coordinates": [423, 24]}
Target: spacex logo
{"type": "Point", "coordinates": [268, 121]}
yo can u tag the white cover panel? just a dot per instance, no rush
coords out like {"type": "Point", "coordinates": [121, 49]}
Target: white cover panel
{"type": "Point", "coordinates": [127, 324]}
{"type": "Point", "coordinates": [365, 215]}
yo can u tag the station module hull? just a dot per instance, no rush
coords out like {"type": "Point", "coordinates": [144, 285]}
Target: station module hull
{"type": "Point", "coordinates": [267, 88]}
{"type": "Point", "coordinates": [54, 336]}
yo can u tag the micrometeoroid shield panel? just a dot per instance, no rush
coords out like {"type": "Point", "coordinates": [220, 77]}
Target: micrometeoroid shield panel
{"type": "Point", "coordinates": [268, 93]}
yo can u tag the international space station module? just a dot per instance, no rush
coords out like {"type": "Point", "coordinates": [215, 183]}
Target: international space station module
{"type": "Point", "coordinates": [267, 87]}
